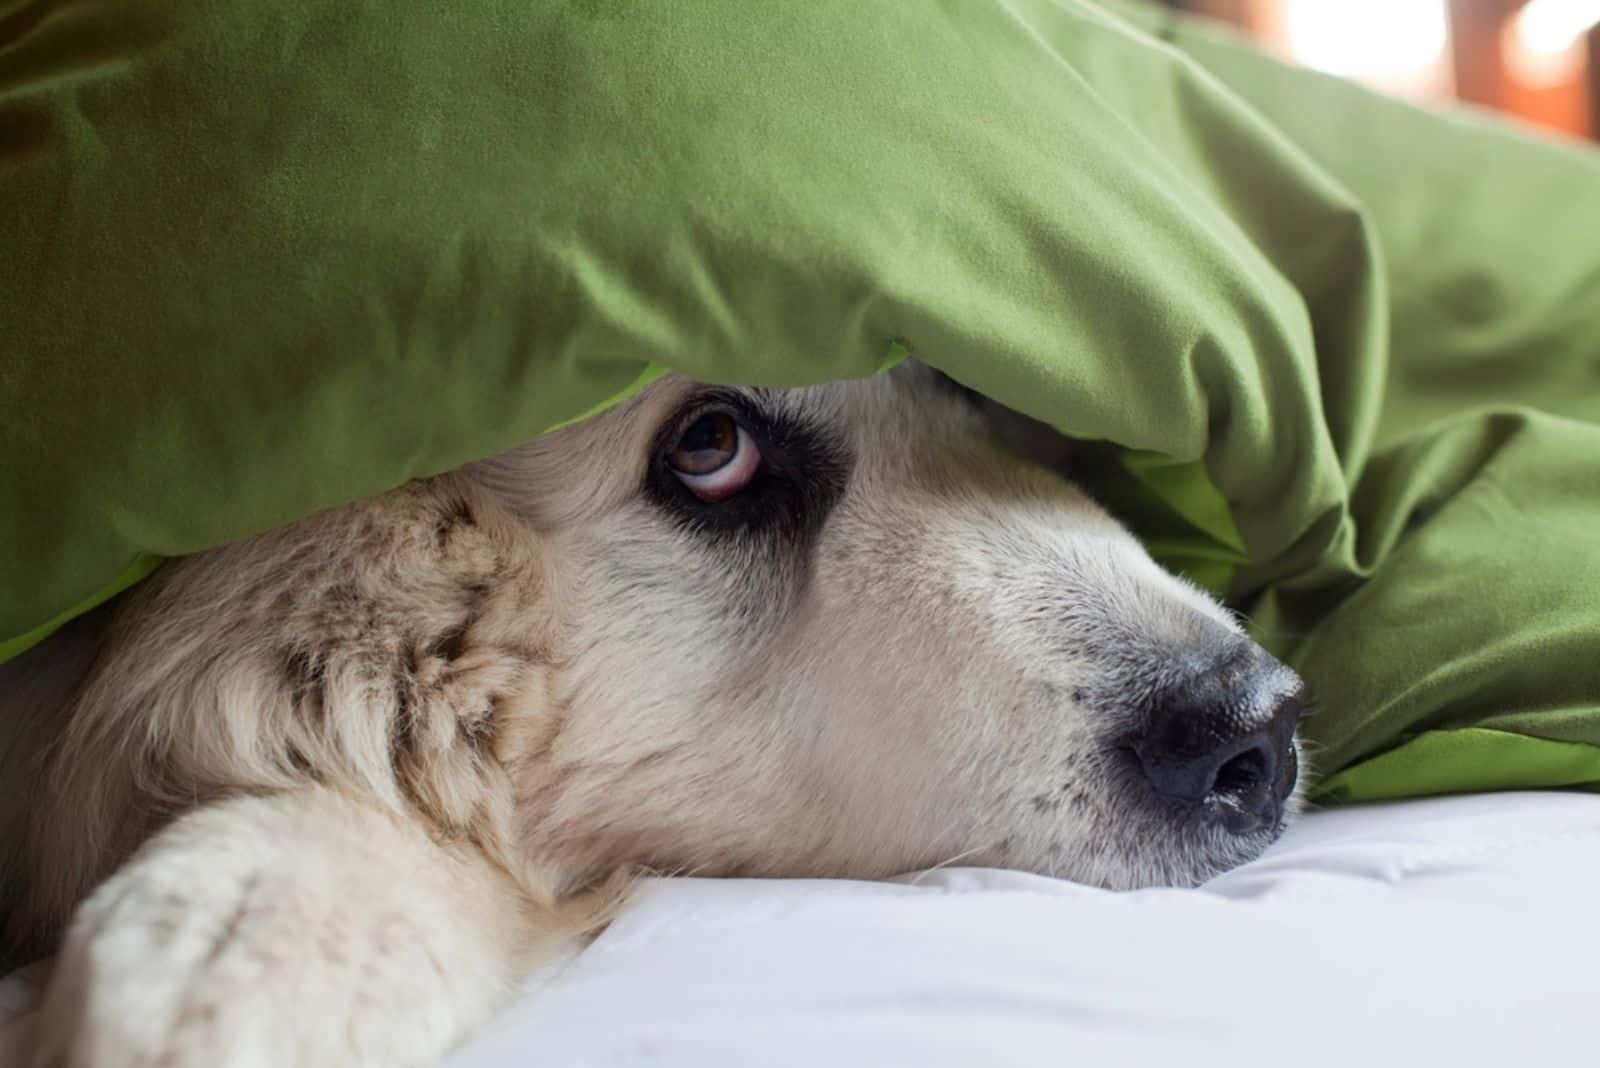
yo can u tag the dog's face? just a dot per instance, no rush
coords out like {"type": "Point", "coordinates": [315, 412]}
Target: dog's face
{"type": "Point", "coordinates": [836, 631]}
{"type": "Point", "coordinates": [843, 631]}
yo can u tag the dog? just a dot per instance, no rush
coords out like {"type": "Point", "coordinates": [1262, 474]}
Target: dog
{"type": "Point", "coordinates": [325, 795]}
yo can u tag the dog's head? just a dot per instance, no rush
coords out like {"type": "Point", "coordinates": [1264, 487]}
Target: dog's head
{"type": "Point", "coordinates": [837, 631]}
{"type": "Point", "coordinates": [844, 631]}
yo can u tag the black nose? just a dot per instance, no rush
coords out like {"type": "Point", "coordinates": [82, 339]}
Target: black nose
{"type": "Point", "coordinates": [1223, 740]}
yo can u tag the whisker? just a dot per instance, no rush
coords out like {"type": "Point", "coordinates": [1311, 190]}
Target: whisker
{"type": "Point", "coordinates": [952, 860]}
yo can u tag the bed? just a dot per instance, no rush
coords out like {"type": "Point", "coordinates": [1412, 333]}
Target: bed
{"type": "Point", "coordinates": [1453, 931]}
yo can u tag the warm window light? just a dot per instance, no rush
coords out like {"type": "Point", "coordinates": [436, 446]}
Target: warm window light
{"type": "Point", "coordinates": [1543, 44]}
{"type": "Point", "coordinates": [1551, 27]}
{"type": "Point", "coordinates": [1374, 40]}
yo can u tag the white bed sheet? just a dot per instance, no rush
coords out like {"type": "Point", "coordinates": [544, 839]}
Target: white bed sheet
{"type": "Point", "coordinates": [1455, 932]}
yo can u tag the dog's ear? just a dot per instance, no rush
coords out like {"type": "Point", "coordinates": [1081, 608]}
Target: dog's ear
{"type": "Point", "coordinates": [371, 649]}
{"type": "Point", "coordinates": [479, 716]}
{"type": "Point", "coordinates": [471, 682]}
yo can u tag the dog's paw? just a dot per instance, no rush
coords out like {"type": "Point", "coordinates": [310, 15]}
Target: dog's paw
{"type": "Point", "coordinates": [159, 971]}
{"type": "Point", "coordinates": [264, 933]}
{"type": "Point", "coordinates": [150, 975]}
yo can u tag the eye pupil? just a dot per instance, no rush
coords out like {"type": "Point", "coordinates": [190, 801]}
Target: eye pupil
{"type": "Point", "coordinates": [710, 443]}
{"type": "Point", "coordinates": [715, 432]}
{"type": "Point", "coordinates": [714, 457]}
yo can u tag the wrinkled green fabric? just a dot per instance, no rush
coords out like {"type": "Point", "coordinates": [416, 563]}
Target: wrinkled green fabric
{"type": "Point", "coordinates": [259, 259]}
{"type": "Point", "coordinates": [1468, 614]}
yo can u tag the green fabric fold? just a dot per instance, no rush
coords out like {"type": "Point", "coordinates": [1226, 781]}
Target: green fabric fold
{"type": "Point", "coordinates": [261, 259]}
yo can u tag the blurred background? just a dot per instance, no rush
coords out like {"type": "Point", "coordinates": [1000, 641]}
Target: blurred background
{"type": "Point", "coordinates": [1536, 59]}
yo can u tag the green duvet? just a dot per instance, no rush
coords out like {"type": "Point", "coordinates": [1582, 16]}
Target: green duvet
{"type": "Point", "coordinates": [257, 259]}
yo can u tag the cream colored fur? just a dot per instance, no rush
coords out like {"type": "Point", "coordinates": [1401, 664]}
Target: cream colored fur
{"type": "Point", "coordinates": [323, 796]}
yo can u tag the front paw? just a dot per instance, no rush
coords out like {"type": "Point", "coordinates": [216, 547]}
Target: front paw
{"type": "Point", "coordinates": [165, 967]}
{"type": "Point", "coordinates": [288, 932]}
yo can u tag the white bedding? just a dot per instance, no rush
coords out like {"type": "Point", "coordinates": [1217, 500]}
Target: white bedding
{"type": "Point", "coordinates": [1452, 932]}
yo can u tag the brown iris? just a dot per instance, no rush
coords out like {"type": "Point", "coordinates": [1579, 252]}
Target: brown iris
{"type": "Point", "coordinates": [710, 444]}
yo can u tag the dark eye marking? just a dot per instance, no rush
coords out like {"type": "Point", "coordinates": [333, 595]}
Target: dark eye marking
{"type": "Point", "coordinates": [801, 474]}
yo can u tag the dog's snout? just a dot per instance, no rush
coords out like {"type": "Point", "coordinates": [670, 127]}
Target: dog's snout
{"type": "Point", "coordinates": [1223, 741]}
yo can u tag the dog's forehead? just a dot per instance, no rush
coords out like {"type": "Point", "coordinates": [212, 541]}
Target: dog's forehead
{"type": "Point", "coordinates": [911, 401]}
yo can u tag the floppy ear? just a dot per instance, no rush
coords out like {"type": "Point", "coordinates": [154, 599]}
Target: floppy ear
{"type": "Point", "coordinates": [318, 716]}
{"type": "Point", "coordinates": [376, 649]}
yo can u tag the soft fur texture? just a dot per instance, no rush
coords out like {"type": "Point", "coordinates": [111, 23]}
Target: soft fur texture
{"type": "Point", "coordinates": [339, 786]}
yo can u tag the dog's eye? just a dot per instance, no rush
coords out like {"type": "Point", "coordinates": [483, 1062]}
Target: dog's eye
{"type": "Point", "coordinates": [715, 457]}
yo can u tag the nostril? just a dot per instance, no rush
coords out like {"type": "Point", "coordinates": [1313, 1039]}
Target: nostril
{"type": "Point", "coordinates": [1243, 774]}
{"type": "Point", "coordinates": [1238, 770]}
{"type": "Point", "coordinates": [1229, 767]}
{"type": "Point", "coordinates": [1220, 742]}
